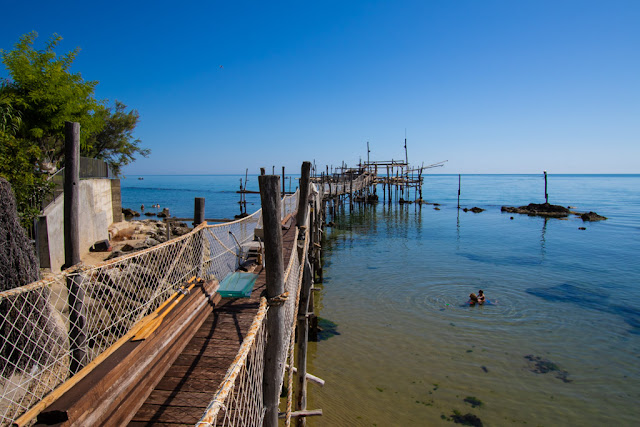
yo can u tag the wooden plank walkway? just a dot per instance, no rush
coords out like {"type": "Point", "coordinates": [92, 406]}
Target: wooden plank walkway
{"type": "Point", "coordinates": [184, 392]}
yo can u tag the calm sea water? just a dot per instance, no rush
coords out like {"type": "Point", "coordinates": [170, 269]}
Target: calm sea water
{"type": "Point", "coordinates": [560, 346]}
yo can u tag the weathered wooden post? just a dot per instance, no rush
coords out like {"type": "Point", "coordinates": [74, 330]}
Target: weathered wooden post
{"type": "Point", "coordinates": [198, 211]}
{"type": "Point", "coordinates": [77, 333]}
{"type": "Point", "coordinates": [546, 195]}
{"type": "Point", "coordinates": [284, 180]}
{"type": "Point", "coordinates": [303, 197]}
{"type": "Point", "coordinates": [459, 182]}
{"type": "Point", "coordinates": [303, 340]}
{"type": "Point", "coordinates": [307, 282]}
{"type": "Point", "coordinates": [274, 353]}
{"type": "Point", "coordinates": [72, 194]}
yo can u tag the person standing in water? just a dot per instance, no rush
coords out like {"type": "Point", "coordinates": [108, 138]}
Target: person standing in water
{"type": "Point", "coordinates": [481, 298]}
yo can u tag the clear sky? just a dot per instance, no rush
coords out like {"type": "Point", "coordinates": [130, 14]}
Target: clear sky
{"type": "Point", "coordinates": [511, 86]}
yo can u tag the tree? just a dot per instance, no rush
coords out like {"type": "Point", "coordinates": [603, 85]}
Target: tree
{"type": "Point", "coordinates": [39, 96]}
{"type": "Point", "coordinates": [47, 94]}
{"type": "Point", "coordinates": [115, 143]}
{"type": "Point", "coordinates": [17, 160]}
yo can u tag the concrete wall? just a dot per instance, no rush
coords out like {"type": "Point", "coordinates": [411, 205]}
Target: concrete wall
{"type": "Point", "coordinates": [96, 215]}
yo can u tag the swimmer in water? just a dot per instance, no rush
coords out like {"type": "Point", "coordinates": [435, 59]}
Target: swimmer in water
{"type": "Point", "coordinates": [481, 298]}
{"type": "Point", "coordinates": [473, 299]}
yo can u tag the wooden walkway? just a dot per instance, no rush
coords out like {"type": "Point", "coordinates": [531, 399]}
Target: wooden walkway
{"type": "Point", "coordinates": [182, 395]}
{"type": "Point", "coordinates": [170, 377]}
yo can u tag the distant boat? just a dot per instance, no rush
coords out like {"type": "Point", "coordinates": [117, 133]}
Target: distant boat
{"type": "Point", "coordinates": [140, 178]}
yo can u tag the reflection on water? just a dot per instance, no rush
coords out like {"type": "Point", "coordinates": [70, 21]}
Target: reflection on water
{"type": "Point", "coordinates": [560, 343]}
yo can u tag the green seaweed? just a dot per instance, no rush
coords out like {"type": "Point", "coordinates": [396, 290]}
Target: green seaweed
{"type": "Point", "coordinates": [473, 401]}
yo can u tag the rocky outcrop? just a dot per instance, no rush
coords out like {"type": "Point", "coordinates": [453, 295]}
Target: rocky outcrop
{"type": "Point", "coordinates": [592, 216]}
{"type": "Point", "coordinates": [129, 213]}
{"type": "Point", "coordinates": [30, 331]}
{"type": "Point", "coordinates": [474, 209]}
{"type": "Point", "coordinates": [553, 211]}
{"type": "Point", "coordinates": [539, 209]}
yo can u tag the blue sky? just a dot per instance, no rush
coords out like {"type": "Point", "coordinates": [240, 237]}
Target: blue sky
{"type": "Point", "coordinates": [491, 86]}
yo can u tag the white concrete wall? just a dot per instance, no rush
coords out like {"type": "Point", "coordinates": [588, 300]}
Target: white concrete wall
{"type": "Point", "coordinates": [96, 215]}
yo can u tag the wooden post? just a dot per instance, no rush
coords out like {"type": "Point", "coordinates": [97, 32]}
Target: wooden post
{"type": "Point", "coordinates": [303, 197]}
{"type": "Point", "coordinates": [284, 180]}
{"type": "Point", "coordinates": [459, 182]}
{"type": "Point", "coordinates": [275, 348]}
{"type": "Point", "coordinates": [72, 194]}
{"type": "Point", "coordinates": [77, 333]}
{"type": "Point", "coordinates": [303, 339]}
{"type": "Point", "coordinates": [546, 195]}
{"type": "Point", "coordinates": [198, 211]}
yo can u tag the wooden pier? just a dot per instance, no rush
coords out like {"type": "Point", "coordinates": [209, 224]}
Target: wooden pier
{"type": "Point", "coordinates": [193, 348]}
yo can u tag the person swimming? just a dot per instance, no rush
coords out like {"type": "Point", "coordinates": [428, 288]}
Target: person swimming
{"type": "Point", "coordinates": [473, 299]}
{"type": "Point", "coordinates": [480, 297]}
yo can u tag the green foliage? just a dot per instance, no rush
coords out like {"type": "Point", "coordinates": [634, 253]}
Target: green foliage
{"type": "Point", "coordinates": [40, 94]}
{"type": "Point", "coordinates": [17, 160]}
{"type": "Point", "coordinates": [48, 94]}
{"type": "Point", "coordinates": [115, 143]}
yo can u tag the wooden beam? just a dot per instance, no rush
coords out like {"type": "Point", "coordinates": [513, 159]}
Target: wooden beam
{"type": "Point", "coordinates": [307, 413]}
{"type": "Point", "coordinates": [275, 348]}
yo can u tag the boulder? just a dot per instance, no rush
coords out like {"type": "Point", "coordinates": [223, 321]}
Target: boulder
{"type": "Point", "coordinates": [100, 246]}
{"type": "Point", "coordinates": [539, 209]}
{"type": "Point", "coordinates": [28, 322]}
{"type": "Point", "coordinates": [592, 216]}
{"type": "Point", "coordinates": [164, 213]}
{"type": "Point", "coordinates": [129, 212]}
{"type": "Point", "coordinates": [474, 209]}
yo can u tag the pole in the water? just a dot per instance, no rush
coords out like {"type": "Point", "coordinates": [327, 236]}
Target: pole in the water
{"type": "Point", "coordinates": [458, 191]}
{"type": "Point", "coordinates": [546, 195]}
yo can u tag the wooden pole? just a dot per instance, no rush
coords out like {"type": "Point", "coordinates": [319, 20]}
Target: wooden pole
{"type": "Point", "coordinates": [72, 194]}
{"type": "Point", "coordinates": [303, 202]}
{"type": "Point", "coordinates": [77, 333]}
{"type": "Point", "coordinates": [275, 348]}
{"type": "Point", "coordinates": [284, 180]}
{"type": "Point", "coordinates": [459, 183]}
{"type": "Point", "coordinates": [546, 195]}
{"type": "Point", "coordinates": [198, 211]}
{"type": "Point", "coordinates": [303, 339]}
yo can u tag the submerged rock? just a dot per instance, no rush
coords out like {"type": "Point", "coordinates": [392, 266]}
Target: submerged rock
{"type": "Point", "coordinates": [543, 366]}
{"type": "Point", "coordinates": [466, 419]}
{"type": "Point", "coordinates": [592, 216]}
{"type": "Point", "coordinates": [474, 209]}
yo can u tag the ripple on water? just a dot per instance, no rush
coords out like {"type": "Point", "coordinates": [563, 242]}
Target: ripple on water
{"type": "Point", "coordinates": [446, 302]}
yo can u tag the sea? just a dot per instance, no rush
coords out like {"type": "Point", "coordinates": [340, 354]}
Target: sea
{"type": "Point", "coordinates": [557, 344]}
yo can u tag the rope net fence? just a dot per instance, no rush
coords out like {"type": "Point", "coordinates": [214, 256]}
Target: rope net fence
{"type": "Point", "coordinates": [51, 328]}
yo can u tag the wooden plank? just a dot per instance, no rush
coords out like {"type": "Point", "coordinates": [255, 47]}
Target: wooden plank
{"type": "Point", "coordinates": [179, 398]}
{"type": "Point", "coordinates": [160, 414]}
{"type": "Point", "coordinates": [94, 397]}
{"type": "Point", "coordinates": [198, 371]}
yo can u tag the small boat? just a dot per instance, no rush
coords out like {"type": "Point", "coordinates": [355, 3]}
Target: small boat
{"type": "Point", "coordinates": [140, 178]}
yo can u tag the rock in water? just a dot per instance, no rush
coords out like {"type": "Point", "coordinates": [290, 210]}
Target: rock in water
{"type": "Point", "coordinates": [592, 216]}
